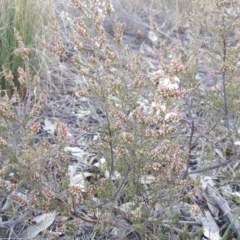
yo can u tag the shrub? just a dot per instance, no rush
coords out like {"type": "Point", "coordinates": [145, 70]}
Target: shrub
{"type": "Point", "coordinates": [213, 74]}
{"type": "Point", "coordinates": [137, 184]}
{"type": "Point", "coordinates": [135, 146]}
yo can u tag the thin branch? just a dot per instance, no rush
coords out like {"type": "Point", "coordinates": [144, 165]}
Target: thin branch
{"type": "Point", "coordinates": [86, 219]}
{"type": "Point", "coordinates": [191, 146]}
{"type": "Point", "coordinates": [215, 166]}
{"type": "Point", "coordinates": [224, 84]}
{"type": "Point", "coordinates": [189, 151]}
{"type": "Point", "coordinates": [110, 145]}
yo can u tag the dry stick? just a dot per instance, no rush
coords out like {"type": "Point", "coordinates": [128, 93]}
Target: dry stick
{"type": "Point", "coordinates": [14, 222]}
{"type": "Point", "coordinates": [110, 142]}
{"type": "Point", "coordinates": [185, 222]}
{"type": "Point", "coordinates": [224, 89]}
{"type": "Point", "coordinates": [201, 135]}
{"type": "Point", "coordinates": [110, 134]}
{"type": "Point", "coordinates": [223, 205]}
{"type": "Point", "coordinates": [224, 84]}
{"type": "Point", "coordinates": [76, 214]}
{"type": "Point", "coordinates": [191, 145]}
{"type": "Point", "coordinates": [189, 151]}
{"type": "Point", "coordinates": [86, 219]}
{"type": "Point", "coordinates": [215, 166]}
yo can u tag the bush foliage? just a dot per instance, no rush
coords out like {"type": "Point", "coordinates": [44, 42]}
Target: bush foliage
{"type": "Point", "coordinates": [161, 123]}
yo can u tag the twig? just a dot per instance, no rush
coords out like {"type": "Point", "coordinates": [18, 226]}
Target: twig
{"type": "Point", "coordinates": [86, 219]}
{"type": "Point", "coordinates": [191, 146]}
{"type": "Point", "coordinates": [224, 89]}
{"type": "Point", "coordinates": [189, 151]}
{"type": "Point", "coordinates": [110, 145]}
{"type": "Point", "coordinates": [215, 166]}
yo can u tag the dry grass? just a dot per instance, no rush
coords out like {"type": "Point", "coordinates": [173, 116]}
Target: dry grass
{"type": "Point", "coordinates": [30, 20]}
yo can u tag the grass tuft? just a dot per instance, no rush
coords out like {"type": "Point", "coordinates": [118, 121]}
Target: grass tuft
{"type": "Point", "coordinates": [29, 18]}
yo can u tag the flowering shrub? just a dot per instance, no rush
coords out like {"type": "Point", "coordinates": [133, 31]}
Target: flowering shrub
{"type": "Point", "coordinates": [140, 164]}
{"type": "Point", "coordinates": [131, 178]}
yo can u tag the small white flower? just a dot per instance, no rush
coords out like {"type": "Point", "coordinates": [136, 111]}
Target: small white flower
{"type": "Point", "coordinates": [157, 109]}
{"type": "Point", "coordinates": [172, 84]}
{"type": "Point", "coordinates": [171, 115]}
{"type": "Point", "coordinates": [165, 80]}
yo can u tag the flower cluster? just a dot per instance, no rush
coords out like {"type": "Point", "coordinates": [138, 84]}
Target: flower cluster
{"type": "Point", "coordinates": [62, 132]}
{"type": "Point", "coordinates": [139, 115]}
{"type": "Point", "coordinates": [48, 194]}
{"type": "Point", "coordinates": [167, 153]}
{"type": "Point", "coordinates": [23, 76]}
{"type": "Point", "coordinates": [9, 77]}
{"type": "Point", "coordinates": [125, 137]}
{"type": "Point", "coordinates": [15, 98]}
{"type": "Point", "coordinates": [58, 48]}
{"type": "Point", "coordinates": [76, 191]}
{"type": "Point", "coordinates": [163, 131]}
{"type": "Point", "coordinates": [77, 4]}
{"type": "Point", "coordinates": [19, 199]}
{"type": "Point", "coordinates": [112, 55]}
{"type": "Point", "coordinates": [172, 117]}
{"type": "Point", "coordinates": [36, 109]}
{"type": "Point", "coordinates": [108, 7]}
{"type": "Point", "coordinates": [173, 68]}
{"type": "Point", "coordinates": [139, 81]}
{"type": "Point", "coordinates": [121, 152]}
{"type": "Point", "coordinates": [22, 51]}
{"type": "Point", "coordinates": [119, 116]}
{"type": "Point", "coordinates": [80, 28]}
{"type": "Point", "coordinates": [12, 187]}
{"type": "Point", "coordinates": [6, 111]}
{"type": "Point", "coordinates": [98, 20]}
{"type": "Point", "coordinates": [35, 128]}
{"type": "Point", "coordinates": [119, 32]}
{"type": "Point", "coordinates": [161, 78]}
